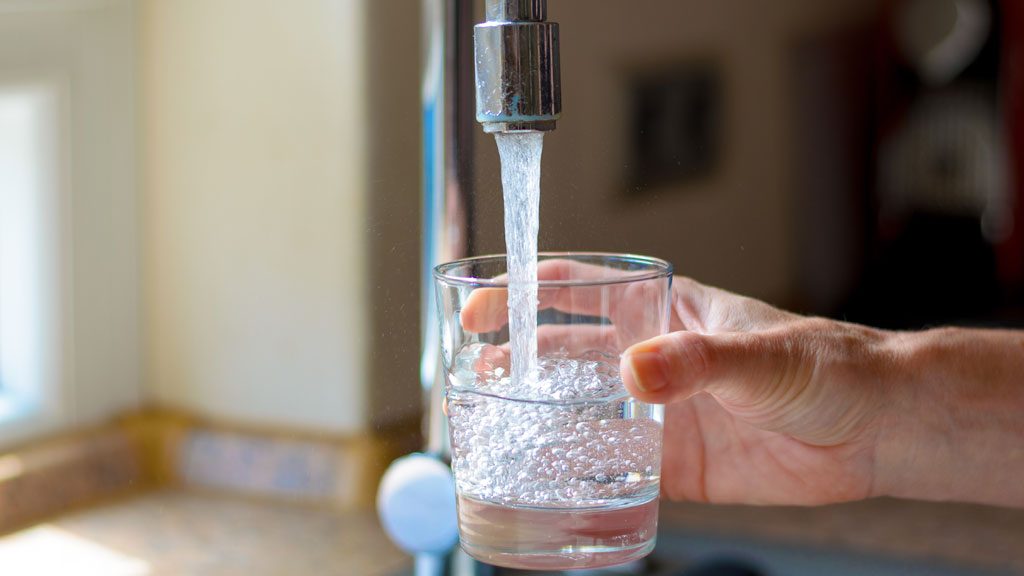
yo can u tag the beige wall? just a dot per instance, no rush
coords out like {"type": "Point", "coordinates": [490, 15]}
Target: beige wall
{"type": "Point", "coordinates": [732, 228]}
{"type": "Point", "coordinates": [254, 121]}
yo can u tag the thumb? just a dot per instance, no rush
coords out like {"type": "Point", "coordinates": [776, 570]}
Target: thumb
{"type": "Point", "coordinates": [678, 365]}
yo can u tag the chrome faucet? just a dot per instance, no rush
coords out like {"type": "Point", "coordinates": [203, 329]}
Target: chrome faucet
{"type": "Point", "coordinates": [518, 85]}
{"type": "Point", "coordinates": [517, 88]}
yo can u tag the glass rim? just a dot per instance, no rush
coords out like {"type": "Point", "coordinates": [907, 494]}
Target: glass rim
{"type": "Point", "coordinates": [658, 269]}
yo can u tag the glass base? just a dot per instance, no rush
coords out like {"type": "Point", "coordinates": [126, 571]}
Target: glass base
{"type": "Point", "coordinates": [580, 558]}
{"type": "Point", "coordinates": [534, 538]}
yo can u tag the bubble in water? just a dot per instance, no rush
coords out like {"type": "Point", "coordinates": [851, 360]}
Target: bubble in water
{"type": "Point", "coordinates": [570, 436]}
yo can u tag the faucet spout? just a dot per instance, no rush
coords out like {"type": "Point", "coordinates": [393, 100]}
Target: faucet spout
{"type": "Point", "coordinates": [518, 83]}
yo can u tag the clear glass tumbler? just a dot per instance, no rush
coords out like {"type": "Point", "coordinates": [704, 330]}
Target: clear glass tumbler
{"type": "Point", "coordinates": [557, 467]}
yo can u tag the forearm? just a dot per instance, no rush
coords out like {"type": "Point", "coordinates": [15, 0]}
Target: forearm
{"type": "Point", "coordinates": [955, 427]}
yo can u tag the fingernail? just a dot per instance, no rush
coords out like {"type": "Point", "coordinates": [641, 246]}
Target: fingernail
{"type": "Point", "coordinates": [649, 369]}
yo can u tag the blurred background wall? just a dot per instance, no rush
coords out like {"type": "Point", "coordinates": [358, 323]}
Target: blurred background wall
{"type": "Point", "coordinates": [731, 221]}
{"type": "Point", "coordinates": [236, 209]}
{"type": "Point", "coordinates": [255, 188]}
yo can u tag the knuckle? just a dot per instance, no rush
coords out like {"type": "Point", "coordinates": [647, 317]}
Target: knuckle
{"type": "Point", "coordinates": [695, 352]}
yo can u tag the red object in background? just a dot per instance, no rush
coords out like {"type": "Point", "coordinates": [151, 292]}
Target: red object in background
{"type": "Point", "coordinates": [1011, 251]}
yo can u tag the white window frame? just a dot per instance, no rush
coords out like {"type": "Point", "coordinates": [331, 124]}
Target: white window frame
{"type": "Point", "coordinates": [35, 260]}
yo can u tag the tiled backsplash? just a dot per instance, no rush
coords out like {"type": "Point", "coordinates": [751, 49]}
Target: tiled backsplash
{"type": "Point", "coordinates": [153, 449]}
{"type": "Point", "coordinates": [293, 469]}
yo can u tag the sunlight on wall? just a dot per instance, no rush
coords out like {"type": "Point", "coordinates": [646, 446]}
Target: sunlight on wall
{"type": "Point", "coordinates": [29, 184]}
{"type": "Point", "coordinates": [49, 551]}
{"type": "Point", "coordinates": [68, 93]}
{"type": "Point", "coordinates": [11, 467]}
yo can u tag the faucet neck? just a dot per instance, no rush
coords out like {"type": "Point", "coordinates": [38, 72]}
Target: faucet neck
{"type": "Point", "coordinates": [516, 10]}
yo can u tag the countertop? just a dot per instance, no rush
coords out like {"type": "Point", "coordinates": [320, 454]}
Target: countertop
{"type": "Point", "coordinates": [185, 533]}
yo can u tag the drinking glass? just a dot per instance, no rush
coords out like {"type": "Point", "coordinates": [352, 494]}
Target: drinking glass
{"type": "Point", "coordinates": [557, 467]}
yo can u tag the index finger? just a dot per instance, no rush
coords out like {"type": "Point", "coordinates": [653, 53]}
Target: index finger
{"type": "Point", "coordinates": [486, 309]}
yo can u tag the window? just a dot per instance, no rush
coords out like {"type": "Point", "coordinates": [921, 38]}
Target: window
{"type": "Point", "coordinates": [31, 175]}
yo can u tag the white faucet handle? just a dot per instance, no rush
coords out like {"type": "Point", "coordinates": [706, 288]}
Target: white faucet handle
{"type": "Point", "coordinates": [416, 505]}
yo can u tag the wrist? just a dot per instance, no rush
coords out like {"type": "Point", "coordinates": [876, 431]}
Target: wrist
{"type": "Point", "coordinates": [909, 445]}
{"type": "Point", "coordinates": [953, 428]}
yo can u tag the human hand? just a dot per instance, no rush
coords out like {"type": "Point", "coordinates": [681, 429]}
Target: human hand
{"type": "Point", "coordinates": [763, 406]}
